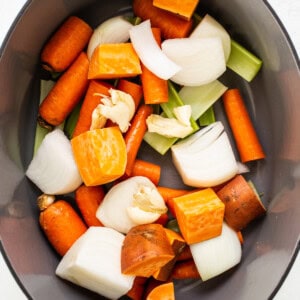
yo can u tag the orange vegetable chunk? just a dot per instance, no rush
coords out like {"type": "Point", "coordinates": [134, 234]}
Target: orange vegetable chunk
{"type": "Point", "coordinates": [100, 155]}
{"type": "Point", "coordinates": [199, 215]}
{"type": "Point", "coordinates": [181, 8]}
{"type": "Point", "coordinates": [113, 61]}
{"type": "Point", "coordinates": [163, 291]}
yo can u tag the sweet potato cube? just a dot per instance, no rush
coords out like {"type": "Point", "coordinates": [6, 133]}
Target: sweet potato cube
{"type": "Point", "coordinates": [199, 215]}
{"type": "Point", "coordinates": [114, 61]}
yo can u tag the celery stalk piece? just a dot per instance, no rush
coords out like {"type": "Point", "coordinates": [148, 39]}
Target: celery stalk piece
{"type": "Point", "coordinates": [208, 117]}
{"type": "Point", "coordinates": [40, 132]}
{"type": "Point", "coordinates": [72, 120]}
{"type": "Point", "coordinates": [202, 97]}
{"type": "Point", "coordinates": [243, 62]}
{"type": "Point", "coordinates": [174, 101]}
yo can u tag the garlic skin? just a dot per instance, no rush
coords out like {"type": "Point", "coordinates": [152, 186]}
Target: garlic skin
{"type": "Point", "coordinates": [132, 202]}
{"type": "Point", "coordinates": [119, 108]}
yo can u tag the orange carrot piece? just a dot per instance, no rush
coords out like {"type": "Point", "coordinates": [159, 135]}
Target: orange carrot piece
{"type": "Point", "coordinates": [185, 254]}
{"type": "Point", "coordinates": [147, 169]}
{"type": "Point", "coordinates": [242, 203]}
{"type": "Point", "coordinates": [240, 237]}
{"type": "Point", "coordinates": [88, 199]}
{"type": "Point", "coordinates": [111, 61]}
{"type": "Point", "coordinates": [199, 215]}
{"type": "Point", "coordinates": [100, 155]}
{"type": "Point", "coordinates": [163, 291]}
{"type": "Point", "coordinates": [90, 102]}
{"type": "Point", "coordinates": [155, 89]}
{"type": "Point", "coordinates": [65, 45]}
{"type": "Point", "coordinates": [184, 9]}
{"type": "Point", "coordinates": [137, 290]}
{"type": "Point", "coordinates": [135, 134]}
{"type": "Point", "coordinates": [185, 270]}
{"type": "Point", "coordinates": [66, 93]}
{"type": "Point", "coordinates": [61, 225]}
{"type": "Point", "coordinates": [171, 26]}
{"type": "Point", "coordinates": [244, 133]}
{"type": "Point", "coordinates": [131, 88]}
{"type": "Point", "coordinates": [145, 249]}
{"type": "Point", "coordinates": [163, 219]}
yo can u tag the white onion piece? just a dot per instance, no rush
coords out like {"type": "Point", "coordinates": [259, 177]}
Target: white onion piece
{"type": "Point", "coordinates": [111, 31]}
{"type": "Point", "coordinates": [217, 255]}
{"type": "Point", "coordinates": [53, 169]}
{"type": "Point", "coordinates": [209, 27]}
{"type": "Point", "coordinates": [93, 262]}
{"type": "Point", "coordinates": [242, 168]}
{"type": "Point", "coordinates": [150, 53]}
{"type": "Point", "coordinates": [205, 158]}
{"type": "Point", "coordinates": [201, 60]}
{"type": "Point", "coordinates": [129, 203]}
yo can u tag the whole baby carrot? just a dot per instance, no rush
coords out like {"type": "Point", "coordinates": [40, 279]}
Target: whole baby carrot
{"type": "Point", "coordinates": [61, 225]}
{"type": "Point", "coordinates": [244, 133]}
{"type": "Point", "coordinates": [132, 88]}
{"type": "Point", "coordinates": [155, 89]}
{"type": "Point", "coordinates": [147, 169]}
{"type": "Point", "coordinates": [65, 44]}
{"type": "Point", "coordinates": [88, 199]}
{"type": "Point", "coordinates": [66, 93]}
{"type": "Point", "coordinates": [134, 136]}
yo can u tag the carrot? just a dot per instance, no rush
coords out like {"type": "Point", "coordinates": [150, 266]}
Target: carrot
{"type": "Point", "coordinates": [171, 25]}
{"type": "Point", "coordinates": [242, 203]}
{"type": "Point", "coordinates": [65, 44]}
{"type": "Point", "coordinates": [111, 61]}
{"type": "Point", "coordinates": [178, 244]}
{"type": "Point", "coordinates": [133, 89]}
{"type": "Point", "coordinates": [66, 93]}
{"type": "Point", "coordinates": [61, 225]}
{"type": "Point", "coordinates": [147, 169]}
{"type": "Point", "coordinates": [185, 254]}
{"type": "Point", "coordinates": [88, 199]}
{"type": "Point", "coordinates": [145, 249]}
{"type": "Point", "coordinates": [137, 290]}
{"type": "Point", "coordinates": [240, 237]}
{"type": "Point", "coordinates": [244, 133]}
{"type": "Point", "coordinates": [100, 155]}
{"type": "Point", "coordinates": [90, 102]}
{"type": "Point", "coordinates": [184, 9]}
{"type": "Point", "coordinates": [155, 89]}
{"type": "Point", "coordinates": [185, 270]}
{"type": "Point", "coordinates": [163, 291]}
{"type": "Point", "coordinates": [199, 215]}
{"type": "Point", "coordinates": [163, 219]}
{"type": "Point", "coordinates": [135, 134]}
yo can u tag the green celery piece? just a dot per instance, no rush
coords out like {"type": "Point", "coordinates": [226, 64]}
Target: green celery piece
{"type": "Point", "coordinates": [202, 97]}
{"type": "Point", "coordinates": [40, 132]}
{"type": "Point", "coordinates": [243, 62]}
{"type": "Point", "coordinates": [72, 120]}
{"type": "Point", "coordinates": [208, 117]}
{"type": "Point", "coordinates": [175, 101]}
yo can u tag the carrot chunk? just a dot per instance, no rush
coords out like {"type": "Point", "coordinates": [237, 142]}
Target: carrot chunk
{"type": "Point", "coordinates": [100, 155]}
{"type": "Point", "coordinates": [185, 270]}
{"type": "Point", "coordinates": [147, 169]}
{"type": "Point", "coordinates": [113, 61]}
{"type": "Point", "coordinates": [65, 44]}
{"type": "Point", "coordinates": [131, 88]}
{"type": "Point", "coordinates": [199, 215]}
{"type": "Point", "coordinates": [163, 291]}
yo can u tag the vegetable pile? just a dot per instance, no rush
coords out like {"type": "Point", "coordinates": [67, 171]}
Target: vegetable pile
{"type": "Point", "coordinates": [151, 78]}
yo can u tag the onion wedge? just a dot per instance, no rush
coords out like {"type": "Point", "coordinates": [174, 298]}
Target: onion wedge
{"type": "Point", "coordinates": [53, 168]}
{"type": "Point", "coordinates": [150, 53]}
{"type": "Point", "coordinates": [206, 158]}
{"type": "Point", "coordinates": [201, 60]}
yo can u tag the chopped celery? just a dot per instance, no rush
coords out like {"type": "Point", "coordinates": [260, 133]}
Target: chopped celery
{"type": "Point", "coordinates": [40, 132]}
{"type": "Point", "coordinates": [202, 97]}
{"type": "Point", "coordinates": [72, 120]}
{"type": "Point", "coordinates": [243, 62]}
{"type": "Point", "coordinates": [208, 117]}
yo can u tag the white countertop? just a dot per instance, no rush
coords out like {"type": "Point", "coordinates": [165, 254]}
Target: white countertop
{"type": "Point", "coordinates": [289, 13]}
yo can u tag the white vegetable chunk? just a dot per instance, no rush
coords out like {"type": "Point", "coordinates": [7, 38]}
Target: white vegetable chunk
{"type": "Point", "coordinates": [132, 202]}
{"type": "Point", "coordinates": [217, 255]}
{"type": "Point", "coordinates": [205, 158]}
{"type": "Point", "coordinates": [150, 53]}
{"type": "Point", "coordinates": [53, 169]}
{"type": "Point", "coordinates": [94, 262]}
{"type": "Point", "coordinates": [201, 60]}
{"type": "Point", "coordinates": [209, 27]}
{"type": "Point", "coordinates": [111, 31]}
